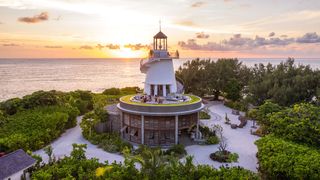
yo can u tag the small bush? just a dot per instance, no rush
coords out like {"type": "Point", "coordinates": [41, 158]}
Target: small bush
{"type": "Point", "coordinates": [204, 115]}
{"type": "Point", "coordinates": [177, 150]}
{"type": "Point", "coordinates": [224, 156]}
{"type": "Point", "coordinates": [212, 140]}
{"type": "Point", "coordinates": [206, 132]}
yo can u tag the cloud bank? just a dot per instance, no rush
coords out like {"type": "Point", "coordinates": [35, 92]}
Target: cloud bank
{"type": "Point", "coordinates": [10, 44]}
{"type": "Point", "coordinates": [35, 19]}
{"type": "Point", "coordinates": [309, 38]}
{"type": "Point", "coordinates": [202, 35]}
{"type": "Point", "coordinates": [238, 42]}
{"type": "Point", "coordinates": [136, 47]}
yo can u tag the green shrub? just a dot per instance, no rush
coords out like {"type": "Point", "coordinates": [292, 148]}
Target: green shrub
{"type": "Point", "coordinates": [75, 166]}
{"type": "Point", "coordinates": [153, 165]}
{"type": "Point", "coordinates": [33, 129]}
{"type": "Point", "coordinates": [11, 106]}
{"type": "Point", "coordinates": [42, 98]}
{"type": "Point", "coordinates": [112, 91]}
{"type": "Point", "coordinates": [224, 156]}
{"type": "Point", "coordinates": [204, 115]}
{"type": "Point", "coordinates": [110, 142]}
{"type": "Point", "coordinates": [212, 140]}
{"type": "Point", "coordinates": [281, 159]}
{"type": "Point", "coordinates": [130, 90]}
{"type": "Point", "coordinates": [206, 132]}
{"type": "Point", "coordinates": [177, 150]}
{"type": "Point", "coordinates": [237, 105]}
{"type": "Point", "coordinates": [301, 124]}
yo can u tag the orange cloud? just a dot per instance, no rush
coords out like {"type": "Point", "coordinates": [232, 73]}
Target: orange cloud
{"type": "Point", "coordinates": [53, 47]}
{"type": "Point", "coordinates": [35, 19]}
{"type": "Point", "coordinates": [112, 46]}
{"type": "Point", "coordinates": [86, 47]}
{"type": "Point", "coordinates": [197, 4]}
{"type": "Point", "coordinates": [136, 47]}
{"type": "Point", "coordinates": [10, 44]}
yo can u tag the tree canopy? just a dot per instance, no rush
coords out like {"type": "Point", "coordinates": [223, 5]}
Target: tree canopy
{"type": "Point", "coordinates": [284, 84]}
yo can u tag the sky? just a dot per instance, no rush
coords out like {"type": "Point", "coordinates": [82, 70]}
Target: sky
{"type": "Point", "coordinates": [125, 28]}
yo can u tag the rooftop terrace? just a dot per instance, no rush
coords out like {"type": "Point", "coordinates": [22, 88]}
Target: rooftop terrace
{"type": "Point", "coordinates": [180, 100]}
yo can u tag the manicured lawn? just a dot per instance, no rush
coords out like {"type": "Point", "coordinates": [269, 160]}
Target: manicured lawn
{"type": "Point", "coordinates": [127, 99]}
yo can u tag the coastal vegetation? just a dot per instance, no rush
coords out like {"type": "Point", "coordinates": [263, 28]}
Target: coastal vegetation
{"type": "Point", "coordinates": [35, 120]}
{"type": "Point", "coordinates": [290, 149]}
{"type": "Point", "coordinates": [153, 163]}
{"type": "Point", "coordinates": [108, 141]}
{"type": "Point", "coordinates": [283, 99]}
{"type": "Point", "coordinates": [282, 159]}
{"type": "Point", "coordinates": [284, 84]}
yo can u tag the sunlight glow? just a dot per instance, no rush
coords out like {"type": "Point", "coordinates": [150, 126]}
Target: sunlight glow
{"type": "Point", "coordinates": [128, 53]}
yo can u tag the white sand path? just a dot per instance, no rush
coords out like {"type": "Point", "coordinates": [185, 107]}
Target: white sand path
{"type": "Point", "coordinates": [63, 146]}
{"type": "Point", "coordinates": [239, 140]}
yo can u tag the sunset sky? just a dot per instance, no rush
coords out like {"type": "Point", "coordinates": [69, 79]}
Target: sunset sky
{"type": "Point", "coordinates": [124, 28]}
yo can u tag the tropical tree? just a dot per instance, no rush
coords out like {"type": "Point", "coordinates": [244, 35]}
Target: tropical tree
{"type": "Point", "coordinates": [194, 76]}
{"type": "Point", "coordinates": [285, 84]}
{"type": "Point", "coordinates": [49, 150]}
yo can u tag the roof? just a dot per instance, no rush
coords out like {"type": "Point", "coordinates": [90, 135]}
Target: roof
{"type": "Point", "coordinates": [160, 35]}
{"type": "Point", "coordinates": [15, 162]}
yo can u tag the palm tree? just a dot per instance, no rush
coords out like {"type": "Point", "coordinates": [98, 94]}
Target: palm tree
{"type": "Point", "coordinates": [151, 161]}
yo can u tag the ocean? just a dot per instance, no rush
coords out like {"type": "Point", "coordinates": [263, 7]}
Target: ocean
{"type": "Point", "coordinates": [19, 77]}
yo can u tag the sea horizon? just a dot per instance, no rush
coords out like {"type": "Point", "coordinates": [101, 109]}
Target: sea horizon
{"type": "Point", "coordinates": [22, 76]}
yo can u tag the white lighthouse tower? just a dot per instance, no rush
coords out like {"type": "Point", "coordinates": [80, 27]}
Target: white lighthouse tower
{"type": "Point", "coordinates": [160, 77]}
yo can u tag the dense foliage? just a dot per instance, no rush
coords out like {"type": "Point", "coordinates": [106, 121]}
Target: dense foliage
{"type": "Point", "coordinates": [214, 77]}
{"type": "Point", "coordinates": [35, 128]}
{"type": "Point", "coordinates": [284, 84]}
{"type": "Point", "coordinates": [121, 91]}
{"type": "Point", "coordinates": [300, 123]}
{"type": "Point", "coordinates": [280, 159]}
{"type": "Point", "coordinates": [262, 114]}
{"type": "Point", "coordinates": [290, 151]}
{"type": "Point", "coordinates": [153, 163]}
{"type": "Point", "coordinates": [35, 120]}
{"type": "Point", "coordinates": [76, 166]}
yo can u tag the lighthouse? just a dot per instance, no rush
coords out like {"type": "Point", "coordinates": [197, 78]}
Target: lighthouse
{"type": "Point", "coordinates": [163, 115]}
{"type": "Point", "coordinates": [158, 67]}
